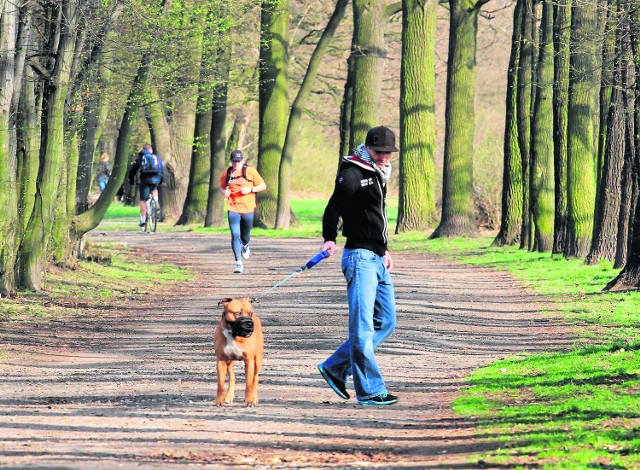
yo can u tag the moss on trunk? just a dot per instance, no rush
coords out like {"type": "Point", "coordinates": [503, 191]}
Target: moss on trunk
{"type": "Point", "coordinates": [417, 204]}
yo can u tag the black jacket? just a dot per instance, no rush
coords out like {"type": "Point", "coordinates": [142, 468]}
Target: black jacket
{"type": "Point", "coordinates": [359, 198]}
{"type": "Point", "coordinates": [103, 170]}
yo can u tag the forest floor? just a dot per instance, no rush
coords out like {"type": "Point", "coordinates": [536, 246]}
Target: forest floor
{"type": "Point", "coordinates": [134, 387]}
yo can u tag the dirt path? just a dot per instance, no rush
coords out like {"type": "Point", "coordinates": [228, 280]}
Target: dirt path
{"type": "Point", "coordinates": [135, 388]}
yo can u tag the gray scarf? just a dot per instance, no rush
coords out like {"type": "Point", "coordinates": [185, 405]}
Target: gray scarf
{"type": "Point", "coordinates": [363, 155]}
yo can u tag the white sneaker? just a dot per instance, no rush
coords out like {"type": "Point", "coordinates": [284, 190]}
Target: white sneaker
{"type": "Point", "coordinates": [239, 269]}
{"type": "Point", "coordinates": [246, 251]}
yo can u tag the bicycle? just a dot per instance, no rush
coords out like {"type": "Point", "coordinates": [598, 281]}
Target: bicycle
{"type": "Point", "coordinates": [153, 214]}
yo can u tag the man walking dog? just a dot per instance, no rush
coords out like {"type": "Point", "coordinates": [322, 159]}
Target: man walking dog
{"type": "Point", "coordinates": [359, 197]}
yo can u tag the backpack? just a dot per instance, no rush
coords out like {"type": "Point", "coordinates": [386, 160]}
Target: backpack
{"type": "Point", "coordinates": [244, 174]}
{"type": "Point", "coordinates": [151, 165]}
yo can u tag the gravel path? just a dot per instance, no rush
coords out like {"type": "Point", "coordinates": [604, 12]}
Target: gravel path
{"type": "Point", "coordinates": [135, 388]}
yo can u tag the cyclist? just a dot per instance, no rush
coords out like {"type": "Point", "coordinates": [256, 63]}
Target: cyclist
{"type": "Point", "coordinates": [151, 176]}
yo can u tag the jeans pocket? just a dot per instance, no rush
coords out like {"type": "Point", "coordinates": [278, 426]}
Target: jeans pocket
{"type": "Point", "coordinates": [348, 267]}
{"type": "Point", "coordinates": [366, 255]}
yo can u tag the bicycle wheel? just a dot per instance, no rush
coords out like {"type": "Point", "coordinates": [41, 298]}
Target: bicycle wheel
{"type": "Point", "coordinates": [152, 214]}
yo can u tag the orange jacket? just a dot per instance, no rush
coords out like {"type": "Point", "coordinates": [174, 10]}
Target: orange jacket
{"type": "Point", "coordinates": [238, 202]}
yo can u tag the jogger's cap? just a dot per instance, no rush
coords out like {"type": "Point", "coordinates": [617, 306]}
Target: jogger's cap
{"type": "Point", "coordinates": [381, 139]}
{"type": "Point", "coordinates": [237, 156]}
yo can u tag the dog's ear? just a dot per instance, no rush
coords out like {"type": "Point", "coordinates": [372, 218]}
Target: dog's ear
{"type": "Point", "coordinates": [225, 301]}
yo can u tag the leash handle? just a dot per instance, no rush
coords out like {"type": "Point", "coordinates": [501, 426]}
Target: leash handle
{"type": "Point", "coordinates": [316, 259]}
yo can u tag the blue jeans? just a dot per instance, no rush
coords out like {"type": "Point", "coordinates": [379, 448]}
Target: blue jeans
{"type": "Point", "coordinates": [372, 318]}
{"type": "Point", "coordinates": [240, 225]}
{"type": "Point", "coordinates": [102, 183]}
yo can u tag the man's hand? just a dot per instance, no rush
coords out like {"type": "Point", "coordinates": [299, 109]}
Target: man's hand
{"type": "Point", "coordinates": [329, 246]}
{"type": "Point", "coordinates": [388, 260]}
{"type": "Point", "coordinates": [245, 190]}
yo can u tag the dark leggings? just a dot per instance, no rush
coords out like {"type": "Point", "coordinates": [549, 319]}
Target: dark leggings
{"type": "Point", "coordinates": [240, 225]}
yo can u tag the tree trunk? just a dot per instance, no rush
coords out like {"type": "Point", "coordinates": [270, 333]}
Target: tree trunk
{"type": "Point", "coordinates": [523, 112]}
{"type": "Point", "coordinates": [629, 277]}
{"type": "Point", "coordinates": [183, 123]}
{"type": "Point", "coordinates": [238, 136]}
{"type": "Point", "coordinates": [283, 214]}
{"type": "Point", "coordinates": [542, 198]}
{"type": "Point", "coordinates": [35, 250]}
{"type": "Point", "coordinates": [25, 40]}
{"type": "Point", "coordinates": [512, 188]}
{"type": "Point", "coordinates": [8, 164]}
{"type": "Point", "coordinates": [195, 203]}
{"type": "Point", "coordinates": [101, 124]}
{"type": "Point", "coordinates": [609, 192]}
{"type": "Point", "coordinates": [635, 46]}
{"type": "Point", "coordinates": [583, 103]}
{"type": "Point", "coordinates": [562, 34]}
{"type": "Point", "coordinates": [606, 82]}
{"type": "Point", "coordinates": [458, 217]}
{"type": "Point", "coordinates": [30, 107]}
{"type": "Point", "coordinates": [161, 142]}
{"type": "Point", "coordinates": [629, 184]}
{"type": "Point", "coordinates": [27, 123]}
{"type": "Point", "coordinates": [630, 173]}
{"type": "Point", "coordinates": [219, 150]}
{"type": "Point", "coordinates": [417, 196]}
{"type": "Point", "coordinates": [86, 156]}
{"type": "Point", "coordinates": [345, 112]}
{"type": "Point", "coordinates": [66, 197]}
{"type": "Point", "coordinates": [368, 53]}
{"type": "Point", "coordinates": [274, 104]}
{"type": "Point", "coordinates": [611, 186]}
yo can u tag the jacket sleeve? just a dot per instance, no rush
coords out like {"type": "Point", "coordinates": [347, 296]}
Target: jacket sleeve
{"type": "Point", "coordinates": [345, 187]}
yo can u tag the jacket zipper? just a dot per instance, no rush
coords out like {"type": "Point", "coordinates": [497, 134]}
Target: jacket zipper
{"type": "Point", "coordinates": [382, 211]}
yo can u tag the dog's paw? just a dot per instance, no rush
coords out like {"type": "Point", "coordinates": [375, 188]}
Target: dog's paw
{"type": "Point", "coordinates": [251, 402]}
{"type": "Point", "coordinates": [221, 400]}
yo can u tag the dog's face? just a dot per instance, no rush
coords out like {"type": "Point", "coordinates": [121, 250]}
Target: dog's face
{"type": "Point", "coordinates": [238, 316]}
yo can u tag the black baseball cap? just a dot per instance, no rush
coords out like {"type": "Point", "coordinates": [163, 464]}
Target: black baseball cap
{"type": "Point", "coordinates": [381, 139]}
{"type": "Point", "coordinates": [237, 156]}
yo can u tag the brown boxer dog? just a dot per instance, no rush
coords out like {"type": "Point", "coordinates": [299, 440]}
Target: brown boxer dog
{"type": "Point", "coordinates": [238, 337]}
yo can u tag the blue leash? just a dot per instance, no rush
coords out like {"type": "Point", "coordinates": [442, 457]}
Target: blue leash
{"type": "Point", "coordinates": [308, 265]}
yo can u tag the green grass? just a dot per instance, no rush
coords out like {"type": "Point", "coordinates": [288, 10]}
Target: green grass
{"type": "Point", "coordinates": [121, 217]}
{"type": "Point", "coordinates": [308, 213]}
{"type": "Point", "coordinates": [576, 409]}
